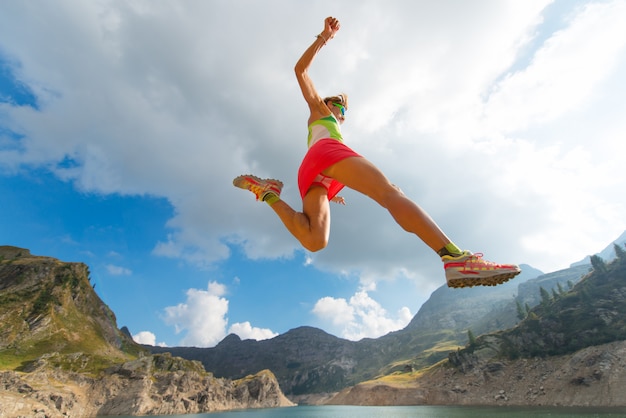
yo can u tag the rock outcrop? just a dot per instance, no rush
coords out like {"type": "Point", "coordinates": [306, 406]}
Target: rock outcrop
{"type": "Point", "coordinates": [593, 376]}
{"type": "Point", "coordinates": [570, 350]}
{"type": "Point", "coordinates": [63, 355]}
{"type": "Point", "coordinates": [309, 361]}
{"type": "Point", "coordinates": [139, 387]}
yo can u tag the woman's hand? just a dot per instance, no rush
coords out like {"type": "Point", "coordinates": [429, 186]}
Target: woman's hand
{"type": "Point", "coordinates": [331, 27]}
{"type": "Point", "coordinates": [338, 199]}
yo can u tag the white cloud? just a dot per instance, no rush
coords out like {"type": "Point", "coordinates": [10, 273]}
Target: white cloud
{"type": "Point", "coordinates": [512, 157]}
{"type": "Point", "coordinates": [246, 331]}
{"type": "Point", "coordinates": [118, 270]}
{"type": "Point", "coordinates": [522, 174]}
{"type": "Point", "coordinates": [202, 317]}
{"type": "Point", "coordinates": [217, 289]}
{"type": "Point", "coordinates": [360, 317]}
{"type": "Point", "coordinates": [145, 337]}
{"type": "Point", "coordinates": [335, 310]}
{"type": "Point", "coordinates": [564, 72]}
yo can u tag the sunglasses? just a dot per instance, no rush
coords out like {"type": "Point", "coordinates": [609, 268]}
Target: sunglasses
{"type": "Point", "coordinates": [341, 107]}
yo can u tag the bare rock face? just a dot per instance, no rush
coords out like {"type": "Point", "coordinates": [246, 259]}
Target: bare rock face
{"type": "Point", "coordinates": [140, 387]}
{"type": "Point", "coordinates": [145, 387]}
{"type": "Point", "coordinates": [568, 351]}
{"type": "Point", "coordinates": [65, 357]}
{"type": "Point", "coordinates": [594, 376]}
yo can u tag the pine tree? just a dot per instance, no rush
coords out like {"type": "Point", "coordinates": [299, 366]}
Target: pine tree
{"type": "Point", "coordinates": [471, 338]}
{"type": "Point", "coordinates": [545, 296]}
{"type": "Point", "coordinates": [598, 264]}
{"type": "Point", "coordinates": [619, 252]}
{"type": "Point", "coordinates": [521, 313]}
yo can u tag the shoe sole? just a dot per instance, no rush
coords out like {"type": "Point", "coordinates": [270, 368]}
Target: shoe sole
{"type": "Point", "coordinates": [460, 282]}
{"type": "Point", "coordinates": [242, 183]}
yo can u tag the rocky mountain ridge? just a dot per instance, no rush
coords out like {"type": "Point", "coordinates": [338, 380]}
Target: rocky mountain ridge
{"type": "Point", "coordinates": [309, 361]}
{"type": "Point", "coordinates": [62, 355]}
{"type": "Point", "coordinates": [46, 305]}
{"type": "Point", "coordinates": [591, 377]}
{"type": "Point", "coordinates": [151, 385]}
{"type": "Point", "coordinates": [568, 351]}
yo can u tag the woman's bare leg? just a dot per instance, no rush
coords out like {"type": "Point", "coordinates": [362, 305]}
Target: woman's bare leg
{"type": "Point", "coordinates": [311, 226]}
{"type": "Point", "coordinates": [361, 175]}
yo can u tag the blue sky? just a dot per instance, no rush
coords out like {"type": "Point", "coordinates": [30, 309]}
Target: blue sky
{"type": "Point", "coordinates": [122, 126]}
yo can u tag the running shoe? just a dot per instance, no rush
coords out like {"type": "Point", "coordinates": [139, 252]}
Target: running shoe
{"type": "Point", "coordinates": [260, 187]}
{"type": "Point", "coordinates": [469, 270]}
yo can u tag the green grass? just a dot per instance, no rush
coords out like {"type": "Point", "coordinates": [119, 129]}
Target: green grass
{"type": "Point", "coordinates": [57, 317]}
{"type": "Point", "coordinates": [9, 361]}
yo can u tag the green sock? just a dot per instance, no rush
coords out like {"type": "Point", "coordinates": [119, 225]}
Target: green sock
{"type": "Point", "coordinates": [450, 249]}
{"type": "Point", "coordinates": [271, 198]}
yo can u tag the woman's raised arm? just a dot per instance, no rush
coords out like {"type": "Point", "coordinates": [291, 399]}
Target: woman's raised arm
{"type": "Point", "coordinates": [317, 107]}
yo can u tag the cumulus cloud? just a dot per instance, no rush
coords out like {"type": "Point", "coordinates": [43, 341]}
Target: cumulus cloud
{"type": "Point", "coordinates": [118, 270]}
{"type": "Point", "coordinates": [514, 126]}
{"type": "Point", "coordinates": [360, 317]}
{"type": "Point", "coordinates": [145, 337]}
{"type": "Point", "coordinates": [505, 125]}
{"type": "Point", "coordinates": [202, 318]}
{"type": "Point", "coordinates": [564, 72]}
{"type": "Point", "coordinates": [246, 331]}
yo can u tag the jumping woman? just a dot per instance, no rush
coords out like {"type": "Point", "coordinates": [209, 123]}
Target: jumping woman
{"type": "Point", "coordinates": [329, 165]}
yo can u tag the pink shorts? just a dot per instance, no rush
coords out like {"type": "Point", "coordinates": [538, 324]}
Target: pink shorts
{"type": "Point", "coordinates": [320, 156]}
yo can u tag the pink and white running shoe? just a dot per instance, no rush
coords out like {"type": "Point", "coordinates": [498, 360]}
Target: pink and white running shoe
{"type": "Point", "coordinates": [469, 270]}
{"type": "Point", "coordinates": [260, 187]}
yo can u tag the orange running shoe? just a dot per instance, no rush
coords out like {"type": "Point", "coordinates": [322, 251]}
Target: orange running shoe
{"type": "Point", "coordinates": [469, 270]}
{"type": "Point", "coordinates": [260, 187]}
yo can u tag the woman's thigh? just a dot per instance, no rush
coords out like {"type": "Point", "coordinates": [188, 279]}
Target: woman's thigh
{"type": "Point", "coordinates": [361, 175]}
{"type": "Point", "coordinates": [315, 202]}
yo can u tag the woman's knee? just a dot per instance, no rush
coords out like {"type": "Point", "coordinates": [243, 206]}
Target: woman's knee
{"type": "Point", "coordinates": [315, 243]}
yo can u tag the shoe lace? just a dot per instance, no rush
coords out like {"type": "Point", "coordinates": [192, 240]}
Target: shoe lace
{"type": "Point", "coordinates": [478, 258]}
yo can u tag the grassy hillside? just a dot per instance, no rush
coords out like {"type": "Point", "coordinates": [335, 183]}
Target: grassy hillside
{"type": "Point", "coordinates": [593, 312]}
{"type": "Point", "coordinates": [307, 360]}
{"type": "Point", "coordinates": [49, 307]}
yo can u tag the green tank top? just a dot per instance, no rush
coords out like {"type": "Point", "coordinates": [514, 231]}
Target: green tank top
{"type": "Point", "coordinates": [326, 127]}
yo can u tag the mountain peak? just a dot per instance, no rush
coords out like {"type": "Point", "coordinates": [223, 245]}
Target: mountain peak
{"type": "Point", "coordinates": [607, 254]}
{"type": "Point", "coordinates": [50, 306]}
{"type": "Point", "coordinates": [10, 253]}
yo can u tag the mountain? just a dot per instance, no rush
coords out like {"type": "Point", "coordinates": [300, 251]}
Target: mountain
{"type": "Point", "coordinates": [50, 306]}
{"type": "Point", "coordinates": [309, 361]}
{"type": "Point", "coordinates": [453, 309]}
{"type": "Point", "coordinates": [608, 254]}
{"type": "Point", "coordinates": [593, 312]}
{"type": "Point", "coordinates": [568, 351]}
{"type": "Point", "coordinates": [61, 354]}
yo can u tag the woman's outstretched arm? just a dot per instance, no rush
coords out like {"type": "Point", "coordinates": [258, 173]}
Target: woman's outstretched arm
{"type": "Point", "coordinates": [316, 105]}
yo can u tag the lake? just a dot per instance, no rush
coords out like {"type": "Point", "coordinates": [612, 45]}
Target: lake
{"type": "Point", "coordinates": [413, 411]}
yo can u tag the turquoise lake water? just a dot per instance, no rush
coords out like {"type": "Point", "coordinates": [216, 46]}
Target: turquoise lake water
{"type": "Point", "coordinates": [413, 411]}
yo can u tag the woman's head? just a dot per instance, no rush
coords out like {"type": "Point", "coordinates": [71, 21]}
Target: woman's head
{"type": "Point", "coordinates": [338, 105]}
{"type": "Point", "coordinates": [341, 98]}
